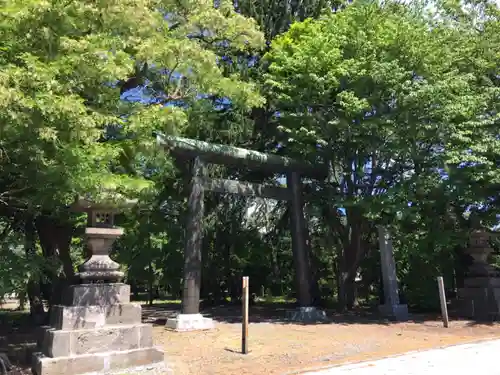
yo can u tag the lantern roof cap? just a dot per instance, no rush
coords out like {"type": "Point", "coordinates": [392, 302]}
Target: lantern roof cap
{"type": "Point", "coordinates": [106, 201]}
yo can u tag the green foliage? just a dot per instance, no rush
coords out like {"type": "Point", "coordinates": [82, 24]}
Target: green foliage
{"type": "Point", "coordinates": [390, 96]}
{"type": "Point", "coordinates": [17, 266]}
{"type": "Point", "coordinates": [62, 69]}
{"type": "Point", "coordinates": [65, 66]}
{"type": "Point", "coordinates": [275, 16]}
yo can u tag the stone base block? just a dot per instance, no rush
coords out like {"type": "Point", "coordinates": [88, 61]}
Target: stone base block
{"type": "Point", "coordinates": [96, 363]}
{"type": "Point", "coordinates": [394, 312]}
{"type": "Point", "coordinates": [59, 343]}
{"type": "Point", "coordinates": [190, 322]}
{"type": "Point", "coordinates": [87, 317]}
{"type": "Point", "coordinates": [306, 314]}
{"type": "Point", "coordinates": [482, 282]}
{"type": "Point", "coordinates": [482, 303]}
{"type": "Point", "coordinates": [97, 294]}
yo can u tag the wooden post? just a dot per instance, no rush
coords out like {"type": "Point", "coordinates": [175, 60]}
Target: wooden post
{"type": "Point", "coordinates": [442, 299]}
{"type": "Point", "coordinates": [244, 310]}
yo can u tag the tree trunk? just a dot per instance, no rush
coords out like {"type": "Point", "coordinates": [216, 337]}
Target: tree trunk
{"type": "Point", "coordinates": [315, 290]}
{"type": "Point", "coordinates": [341, 277]}
{"type": "Point", "coordinates": [350, 292]}
{"type": "Point", "coordinates": [277, 280]}
{"type": "Point", "coordinates": [351, 256]}
{"type": "Point", "coordinates": [37, 310]}
{"type": "Point", "coordinates": [22, 300]}
{"type": "Point", "coordinates": [55, 239]}
{"type": "Point", "coordinates": [462, 263]}
{"type": "Point", "coordinates": [64, 237]}
{"type": "Point", "coordinates": [151, 275]}
{"type": "Point", "coordinates": [150, 285]}
{"type": "Point", "coordinates": [350, 274]}
{"type": "Point", "coordinates": [63, 246]}
{"type": "Point", "coordinates": [221, 240]}
{"type": "Point", "coordinates": [346, 289]}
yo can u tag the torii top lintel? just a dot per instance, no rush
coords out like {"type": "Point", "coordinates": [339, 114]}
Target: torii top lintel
{"type": "Point", "coordinates": [230, 155]}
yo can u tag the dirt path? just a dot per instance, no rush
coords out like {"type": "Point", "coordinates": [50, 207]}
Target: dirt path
{"type": "Point", "coordinates": [278, 348]}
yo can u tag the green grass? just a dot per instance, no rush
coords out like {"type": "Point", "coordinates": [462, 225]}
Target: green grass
{"type": "Point", "coordinates": [167, 301]}
{"type": "Point", "coordinates": [276, 299]}
{"type": "Point", "coordinates": [269, 300]}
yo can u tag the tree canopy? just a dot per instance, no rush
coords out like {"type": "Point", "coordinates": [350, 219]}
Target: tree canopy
{"type": "Point", "coordinates": [400, 100]}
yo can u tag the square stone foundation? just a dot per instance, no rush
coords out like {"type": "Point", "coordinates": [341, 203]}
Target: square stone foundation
{"type": "Point", "coordinates": [397, 312]}
{"type": "Point", "coordinates": [100, 331]}
{"type": "Point", "coordinates": [306, 314]}
{"type": "Point", "coordinates": [190, 322]}
{"type": "Point", "coordinates": [480, 298]}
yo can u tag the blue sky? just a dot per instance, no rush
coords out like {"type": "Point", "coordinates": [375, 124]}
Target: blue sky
{"type": "Point", "coordinates": [141, 95]}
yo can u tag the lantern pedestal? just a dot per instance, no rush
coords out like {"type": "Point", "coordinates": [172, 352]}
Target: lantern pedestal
{"type": "Point", "coordinates": [101, 331]}
{"type": "Point", "coordinates": [480, 297]}
{"type": "Point", "coordinates": [97, 329]}
{"type": "Point", "coordinates": [100, 267]}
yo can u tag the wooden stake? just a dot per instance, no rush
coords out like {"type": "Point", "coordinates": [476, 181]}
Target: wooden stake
{"type": "Point", "coordinates": [244, 310]}
{"type": "Point", "coordinates": [442, 299]}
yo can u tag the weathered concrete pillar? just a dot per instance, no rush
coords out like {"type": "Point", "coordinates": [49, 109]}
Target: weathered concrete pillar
{"type": "Point", "coordinates": [190, 317]}
{"type": "Point", "coordinates": [392, 307]}
{"type": "Point", "coordinates": [300, 249]}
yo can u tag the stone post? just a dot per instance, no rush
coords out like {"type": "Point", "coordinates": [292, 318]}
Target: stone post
{"type": "Point", "coordinates": [190, 318]}
{"type": "Point", "coordinates": [300, 249]}
{"type": "Point", "coordinates": [392, 307]}
{"type": "Point", "coordinates": [96, 329]}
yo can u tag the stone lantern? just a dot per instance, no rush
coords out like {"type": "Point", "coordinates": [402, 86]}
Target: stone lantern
{"type": "Point", "coordinates": [97, 329]}
{"type": "Point", "coordinates": [479, 249]}
{"type": "Point", "coordinates": [100, 235]}
{"type": "Point", "coordinates": [480, 296]}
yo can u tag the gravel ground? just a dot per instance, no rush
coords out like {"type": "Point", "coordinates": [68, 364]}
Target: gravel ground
{"type": "Point", "coordinates": [159, 369]}
{"type": "Point", "coordinates": [292, 348]}
{"type": "Point", "coordinates": [460, 359]}
{"type": "Point", "coordinates": [277, 347]}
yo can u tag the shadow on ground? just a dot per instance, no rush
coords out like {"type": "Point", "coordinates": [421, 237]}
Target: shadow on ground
{"type": "Point", "coordinates": [18, 334]}
{"type": "Point", "coordinates": [17, 340]}
{"type": "Point", "coordinates": [276, 313]}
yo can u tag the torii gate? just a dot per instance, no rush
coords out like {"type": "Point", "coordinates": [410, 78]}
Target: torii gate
{"type": "Point", "coordinates": [199, 153]}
